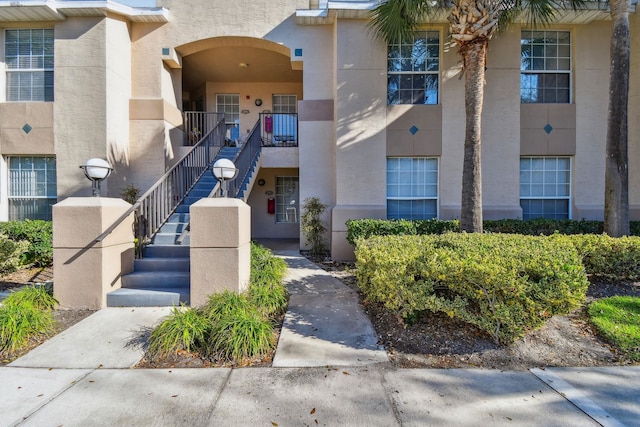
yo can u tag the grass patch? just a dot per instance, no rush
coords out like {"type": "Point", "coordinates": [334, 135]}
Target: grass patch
{"type": "Point", "coordinates": [38, 296]}
{"type": "Point", "coordinates": [185, 329]}
{"type": "Point", "coordinates": [618, 320]}
{"type": "Point", "coordinates": [230, 327]}
{"type": "Point", "coordinates": [24, 315]}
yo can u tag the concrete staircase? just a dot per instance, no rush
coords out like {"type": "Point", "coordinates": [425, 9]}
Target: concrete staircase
{"type": "Point", "coordinates": [162, 277]}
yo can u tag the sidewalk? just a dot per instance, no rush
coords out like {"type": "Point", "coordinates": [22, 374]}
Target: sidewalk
{"type": "Point", "coordinates": [327, 371]}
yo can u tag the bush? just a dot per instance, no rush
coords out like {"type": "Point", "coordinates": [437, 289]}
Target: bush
{"type": "Point", "coordinates": [185, 329]}
{"type": "Point", "coordinates": [503, 284]}
{"type": "Point", "coordinates": [38, 296]}
{"type": "Point", "coordinates": [21, 322]}
{"type": "Point", "coordinates": [365, 228]}
{"type": "Point", "coordinates": [39, 234]}
{"type": "Point", "coordinates": [312, 226]}
{"type": "Point", "coordinates": [230, 326]}
{"type": "Point", "coordinates": [246, 334]}
{"type": "Point", "coordinates": [618, 319]}
{"type": "Point", "coordinates": [11, 254]}
{"type": "Point", "coordinates": [613, 258]}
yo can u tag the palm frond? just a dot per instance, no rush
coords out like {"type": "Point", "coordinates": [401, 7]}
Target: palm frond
{"type": "Point", "coordinates": [395, 20]}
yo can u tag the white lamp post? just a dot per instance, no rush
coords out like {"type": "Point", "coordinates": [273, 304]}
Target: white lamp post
{"type": "Point", "coordinates": [97, 170]}
{"type": "Point", "coordinates": [224, 170]}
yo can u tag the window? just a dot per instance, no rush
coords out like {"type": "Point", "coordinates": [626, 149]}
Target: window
{"type": "Point", "coordinates": [413, 69]}
{"type": "Point", "coordinates": [545, 187]}
{"type": "Point", "coordinates": [287, 199]}
{"type": "Point", "coordinates": [32, 187]}
{"type": "Point", "coordinates": [285, 103]}
{"type": "Point", "coordinates": [412, 188]}
{"type": "Point", "coordinates": [545, 65]}
{"type": "Point", "coordinates": [229, 104]}
{"type": "Point", "coordinates": [29, 64]}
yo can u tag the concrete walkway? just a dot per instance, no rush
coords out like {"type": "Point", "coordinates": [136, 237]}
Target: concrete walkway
{"type": "Point", "coordinates": [331, 374]}
{"type": "Point", "coordinates": [324, 324]}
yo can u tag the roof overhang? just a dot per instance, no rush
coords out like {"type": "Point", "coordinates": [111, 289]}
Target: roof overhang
{"type": "Point", "coordinates": [53, 10]}
{"type": "Point", "coordinates": [328, 11]}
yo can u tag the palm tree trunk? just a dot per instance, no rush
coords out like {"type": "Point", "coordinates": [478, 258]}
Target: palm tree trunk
{"type": "Point", "coordinates": [474, 56]}
{"type": "Point", "coordinates": [616, 197]}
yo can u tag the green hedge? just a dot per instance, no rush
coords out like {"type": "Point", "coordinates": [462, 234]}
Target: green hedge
{"type": "Point", "coordinates": [503, 284]}
{"type": "Point", "coordinates": [613, 258]}
{"type": "Point", "coordinates": [39, 234]}
{"type": "Point", "coordinates": [365, 228]}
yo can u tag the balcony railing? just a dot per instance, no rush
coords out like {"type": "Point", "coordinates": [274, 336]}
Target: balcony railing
{"type": "Point", "coordinates": [197, 124]}
{"type": "Point", "coordinates": [279, 129]}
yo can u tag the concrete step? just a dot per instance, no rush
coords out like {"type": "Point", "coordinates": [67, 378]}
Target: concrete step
{"type": "Point", "coordinates": [199, 192]}
{"type": "Point", "coordinates": [166, 251]}
{"type": "Point", "coordinates": [173, 227]}
{"type": "Point", "coordinates": [161, 264]}
{"type": "Point", "coordinates": [156, 280]}
{"type": "Point", "coordinates": [148, 297]}
{"type": "Point", "coordinates": [190, 200]}
{"type": "Point", "coordinates": [182, 209]}
{"type": "Point", "coordinates": [169, 239]}
{"type": "Point", "coordinates": [179, 217]}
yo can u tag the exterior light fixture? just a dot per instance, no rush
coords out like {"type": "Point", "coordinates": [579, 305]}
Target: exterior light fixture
{"type": "Point", "coordinates": [224, 170]}
{"type": "Point", "coordinates": [96, 170]}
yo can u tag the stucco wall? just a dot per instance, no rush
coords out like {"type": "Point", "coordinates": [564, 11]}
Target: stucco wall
{"type": "Point", "coordinates": [263, 224]}
{"type": "Point", "coordinates": [80, 107]}
{"type": "Point", "coordinates": [118, 92]}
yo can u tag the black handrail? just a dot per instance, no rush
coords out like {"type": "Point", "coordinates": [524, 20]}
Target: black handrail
{"type": "Point", "coordinates": [157, 204]}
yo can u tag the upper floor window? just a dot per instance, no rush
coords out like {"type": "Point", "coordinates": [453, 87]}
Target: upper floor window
{"type": "Point", "coordinates": [285, 103]}
{"type": "Point", "coordinates": [413, 68]}
{"type": "Point", "coordinates": [28, 55]}
{"type": "Point", "coordinates": [545, 66]}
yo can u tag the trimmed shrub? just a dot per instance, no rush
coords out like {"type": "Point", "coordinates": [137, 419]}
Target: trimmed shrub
{"type": "Point", "coordinates": [365, 228]}
{"type": "Point", "coordinates": [503, 284]}
{"type": "Point", "coordinates": [613, 258]}
{"type": "Point", "coordinates": [312, 226]}
{"type": "Point", "coordinates": [11, 254]}
{"type": "Point", "coordinates": [39, 234]}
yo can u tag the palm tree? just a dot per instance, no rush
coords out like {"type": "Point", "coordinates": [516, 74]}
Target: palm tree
{"type": "Point", "coordinates": [472, 24]}
{"type": "Point", "coordinates": [616, 196]}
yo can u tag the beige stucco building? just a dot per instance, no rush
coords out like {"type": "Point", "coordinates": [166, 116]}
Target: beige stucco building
{"type": "Point", "coordinates": [378, 130]}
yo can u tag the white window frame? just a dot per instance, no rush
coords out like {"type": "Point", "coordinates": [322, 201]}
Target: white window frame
{"type": "Point", "coordinates": [548, 60]}
{"type": "Point", "coordinates": [544, 196]}
{"type": "Point", "coordinates": [25, 64]}
{"type": "Point", "coordinates": [284, 103]}
{"type": "Point", "coordinates": [225, 104]}
{"type": "Point", "coordinates": [411, 172]}
{"type": "Point", "coordinates": [287, 213]}
{"type": "Point", "coordinates": [23, 185]}
{"type": "Point", "coordinates": [394, 62]}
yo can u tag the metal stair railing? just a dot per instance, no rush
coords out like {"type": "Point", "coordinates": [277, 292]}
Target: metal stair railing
{"type": "Point", "coordinates": [245, 159]}
{"type": "Point", "coordinates": [157, 204]}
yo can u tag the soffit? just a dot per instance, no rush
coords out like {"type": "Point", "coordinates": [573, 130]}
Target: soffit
{"type": "Point", "coordinates": [60, 10]}
{"type": "Point", "coordinates": [222, 64]}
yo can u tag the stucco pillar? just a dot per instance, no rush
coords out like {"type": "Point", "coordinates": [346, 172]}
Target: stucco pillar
{"type": "Point", "coordinates": [220, 247]}
{"type": "Point", "coordinates": [84, 270]}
